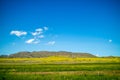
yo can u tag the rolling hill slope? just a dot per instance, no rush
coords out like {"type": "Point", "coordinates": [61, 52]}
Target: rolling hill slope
{"type": "Point", "coordinates": [47, 54]}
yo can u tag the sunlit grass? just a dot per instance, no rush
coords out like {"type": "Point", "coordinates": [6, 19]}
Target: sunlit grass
{"type": "Point", "coordinates": [54, 59]}
{"type": "Point", "coordinates": [59, 68]}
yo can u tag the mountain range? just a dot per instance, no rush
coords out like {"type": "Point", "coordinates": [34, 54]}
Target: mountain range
{"type": "Point", "coordinates": [39, 54]}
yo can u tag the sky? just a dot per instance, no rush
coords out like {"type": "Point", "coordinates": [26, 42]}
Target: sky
{"type": "Point", "coordinates": [90, 26]}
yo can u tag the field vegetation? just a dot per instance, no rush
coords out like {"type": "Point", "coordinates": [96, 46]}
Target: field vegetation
{"type": "Point", "coordinates": [60, 68]}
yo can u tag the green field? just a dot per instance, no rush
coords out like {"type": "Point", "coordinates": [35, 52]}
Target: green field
{"type": "Point", "coordinates": [59, 68]}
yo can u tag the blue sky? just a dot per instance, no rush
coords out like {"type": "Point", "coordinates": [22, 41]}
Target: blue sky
{"type": "Point", "coordinates": [60, 25]}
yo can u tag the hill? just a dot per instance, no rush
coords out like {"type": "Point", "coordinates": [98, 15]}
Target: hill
{"type": "Point", "coordinates": [40, 54]}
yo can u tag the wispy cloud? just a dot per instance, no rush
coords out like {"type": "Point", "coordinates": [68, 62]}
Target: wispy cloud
{"type": "Point", "coordinates": [37, 32]}
{"type": "Point", "coordinates": [41, 36]}
{"type": "Point", "coordinates": [35, 36]}
{"type": "Point", "coordinates": [51, 43]}
{"type": "Point", "coordinates": [97, 55]}
{"type": "Point", "coordinates": [18, 33]}
{"type": "Point", "coordinates": [36, 42]}
{"type": "Point", "coordinates": [45, 28]}
{"type": "Point", "coordinates": [30, 41]}
{"type": "Point", "coordinates": [110, 40]}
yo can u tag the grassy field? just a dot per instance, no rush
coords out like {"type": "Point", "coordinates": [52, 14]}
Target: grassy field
{"type": "Point", "coordinates": [59, 68]}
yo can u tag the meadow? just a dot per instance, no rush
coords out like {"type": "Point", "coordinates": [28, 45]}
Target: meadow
{"type": "Point", "coordinates": [59, 68]}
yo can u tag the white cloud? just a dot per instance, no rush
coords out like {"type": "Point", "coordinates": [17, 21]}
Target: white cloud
{"type": "Point", "coordinates": [35, 33]}
{"type": "Point", "coordinates": [97, 55]}
{"type": "Point", "coordinates": [18, 33]}
{"type": "Point", "coordinates": [110, 40]}
{"type": "Point", "coordinates": [30, 41]}
{"type": "Point", "coordinates": [41, 36]}
{"type": "Point", "coordinates": [51, 43]}
{"type": "Point", "coordinates": [45, 28]}
{"type": "Point", "coordinates": [39, 30]}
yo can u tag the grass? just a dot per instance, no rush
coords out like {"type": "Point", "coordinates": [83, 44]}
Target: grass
{"type": "Point", "coordinates": [59, 68]}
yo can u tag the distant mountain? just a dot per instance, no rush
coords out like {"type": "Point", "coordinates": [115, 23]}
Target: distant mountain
{"type": "Point", "coordinates": [47, 54]}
